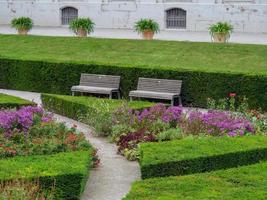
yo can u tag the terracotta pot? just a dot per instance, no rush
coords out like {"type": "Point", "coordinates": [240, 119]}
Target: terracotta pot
{"type": "Point", "coordinates": [148, 35]}
{"type": "Point", "coordinates": [221, 37]}
{"type": "Point", "coordinates": [22, 31]}
{"type": "Point", "coordinates": [81, 32]}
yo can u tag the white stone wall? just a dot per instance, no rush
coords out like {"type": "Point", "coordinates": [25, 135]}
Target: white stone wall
{"type": "Point", "coordinates": [245, 15]}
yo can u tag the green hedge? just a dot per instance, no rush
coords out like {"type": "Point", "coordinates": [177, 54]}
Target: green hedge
{"type": "Point", "coordinates": [75, 106]}
{"type": "Point", "coordinates": [194, 155]}
{"type": "Point", "coordinates": [243, 183]}
{"type": "Point", "coordinates": [69, 171]}
{"type": "Point", "coordinates": [8, 101]}
{"type": "Point", "coordinates": [50, 77]}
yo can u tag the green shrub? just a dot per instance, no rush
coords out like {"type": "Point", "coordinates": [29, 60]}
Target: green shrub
{"type": "Point", "coordinates": [22, 23]}
{"type": "Point", "coordinates": [68, 171]}
{"type": "Point", "coordinates": [8, 101]}
{"type": "Point", "coordinates": [194, 155]}
{"type": "Point", "coordinates": [243, 183]}
{"type": "Point", "coordinates": [171, 134]}
{"type": "Point", "coordinates": [197, 86]}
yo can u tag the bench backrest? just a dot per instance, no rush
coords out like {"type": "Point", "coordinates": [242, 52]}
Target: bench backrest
{"type": "Point", "coordinates": [160, 85]}
{"type": "Point", "coordinates": [96, 80]}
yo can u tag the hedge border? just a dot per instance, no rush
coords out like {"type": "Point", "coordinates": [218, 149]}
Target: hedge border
{"type": "Point", "coordinates": [68, 185]}
{"type": "Point", "coordinates": [247, 182]}
{"type": "Point", "coordinates": [203, 163]}
{"type": "Point", "coordinates": [48, 77]}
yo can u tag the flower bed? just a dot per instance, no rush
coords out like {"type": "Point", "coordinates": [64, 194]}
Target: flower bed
{"type": "Point", "coordinates": [195, 155]}
{"type": "Point", "coordinates": [29, 131]}
{"type": "Point", "coordinates": [8, 101]}
{"type": "Point", "coordinates": [93, 111]}
{"type": "Point", "coordinates": [243, 183]}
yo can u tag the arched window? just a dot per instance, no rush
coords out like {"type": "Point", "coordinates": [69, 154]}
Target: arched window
{"type": "Point", "coordinates": [176, 18]}
{"type": "Point", "coordinates": [68, 14]}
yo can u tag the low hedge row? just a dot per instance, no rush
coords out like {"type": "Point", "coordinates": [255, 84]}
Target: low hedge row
{"type": "Point", "coordinates": [68, 171]}
{"type": "Point", "coordinates": [75, 106]}
{"type": "Point", "coordinates": [58, 78]}
{"type": "Point", "coordinates": [195, 155]}
{"type": "Point", "coordinates": [243, 183]}
{"type": "Point", "coordinates": [8, 101]}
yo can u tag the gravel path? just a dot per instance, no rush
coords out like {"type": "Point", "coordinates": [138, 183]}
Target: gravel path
{"type": "Point", "coordinates": [113, 178]}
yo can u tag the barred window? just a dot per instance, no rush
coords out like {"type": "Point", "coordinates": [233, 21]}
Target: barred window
{"type": "Point", "coordinates": [176, 18]}
{"type": "Point", "coordinates": [68, 14]}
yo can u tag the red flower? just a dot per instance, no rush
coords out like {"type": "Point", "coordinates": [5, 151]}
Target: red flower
{"type": "Point", "coordinates": [232, 94]}
{"type": "Point", "coordinates": [71, 138]}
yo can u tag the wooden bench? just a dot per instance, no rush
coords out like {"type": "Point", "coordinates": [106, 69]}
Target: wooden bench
{"type": "Point", "coordinates": [158, 89]}
{"type": "Point", "coordinates": [98, 84]}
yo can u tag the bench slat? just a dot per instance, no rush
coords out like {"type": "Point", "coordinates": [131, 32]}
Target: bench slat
{"type": "Point", "coordinates": [160, 85]}
{"type": "Point", "coordinates": [96, 80]}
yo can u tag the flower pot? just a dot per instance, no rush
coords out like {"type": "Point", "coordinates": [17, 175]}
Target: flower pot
{"type": "Point", "coordinates": [22, 31]}
{"type": "Point", "coordinates": [148, 35]}
{"type": "Point", "coordinates": [81, 32]}
{"type": "Point", "coordinates": [220, 37]}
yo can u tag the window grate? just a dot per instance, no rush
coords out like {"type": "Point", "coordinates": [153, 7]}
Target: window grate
{"type": "Point", "coordinates": [176, 18]}
{"type": "Point", "coordinates": [68, 14]}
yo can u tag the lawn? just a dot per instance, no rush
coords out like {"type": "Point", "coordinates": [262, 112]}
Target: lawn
{"type": "Point", "coordinates": [243, 183]}
{"type": "Point", "coordinates": [8, 101]}
{"type": "Point", "coordinates": [236, 58]}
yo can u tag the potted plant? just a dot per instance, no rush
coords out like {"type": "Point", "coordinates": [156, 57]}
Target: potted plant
{"type": "Point", "coordinates": [22, 24]}
{"type": "Point", "coordinates": [148, 27]}
{"type": "Point", "coordinates": [220, 32]}
{"type": "Point", "coordinates": [82, 26]}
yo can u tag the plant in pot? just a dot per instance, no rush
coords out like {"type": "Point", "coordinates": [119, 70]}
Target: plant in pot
{"type": "Point", "coordinates": [22, 24]}
{"type": "Point", "coordinates": [220, 32]}
{"type": "Point", "coordinates": [82, 26]}
{"type": "Point", "coordinates": [148, 27]}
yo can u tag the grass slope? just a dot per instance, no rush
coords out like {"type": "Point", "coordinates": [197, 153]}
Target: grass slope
{"type": "Point", "coordinates": [236, 58]}
{"type": "Point", "coordinates": [8, 101]}
{"type": "Point", "coordinates": [243, 183]}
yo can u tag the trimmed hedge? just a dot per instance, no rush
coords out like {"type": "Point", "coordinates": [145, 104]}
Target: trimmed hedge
{"type": "Point", "coordinates": [8, 101]}
{"type": "Point", "coordinates": [195, 155]}
{"type": "Point", "coordinates": [74, 106]}
{"type": "Point", "coordinates": [58, 78]}
{"type": "Point", "coordinates": [243, 183]}
{"type": "Point", "coordinates": [68, 171]}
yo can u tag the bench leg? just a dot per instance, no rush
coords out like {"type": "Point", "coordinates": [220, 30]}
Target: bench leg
{"type": "Point", "coordinates": [180, 101]}
{"type": "Point", "coordinates": [73, 93]}
{"type": "Point", "coordinates": [131, 98]}
{"type": "Point", "coordinates": [172, 102]}
{"type": "Point", "coordinates": [119, 95]}
{"type": "Point", "coordinates": [110, 95]}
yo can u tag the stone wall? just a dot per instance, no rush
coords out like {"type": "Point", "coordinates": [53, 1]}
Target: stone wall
{"type": "Point", "coordinates": [245, 15]}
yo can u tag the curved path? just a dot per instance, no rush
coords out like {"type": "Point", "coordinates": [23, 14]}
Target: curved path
{"type": "Point", "coordinates": [113, 178]}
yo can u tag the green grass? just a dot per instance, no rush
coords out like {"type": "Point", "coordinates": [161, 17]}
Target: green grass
{"type": "Point", "coordinates": [243, 183]}
{"type": "Point", "coordinates": [193, 155]}
{"type": "Point", "coordinates": [8, 101]}
{"type": "Point", "coordinates": [236, 58]}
